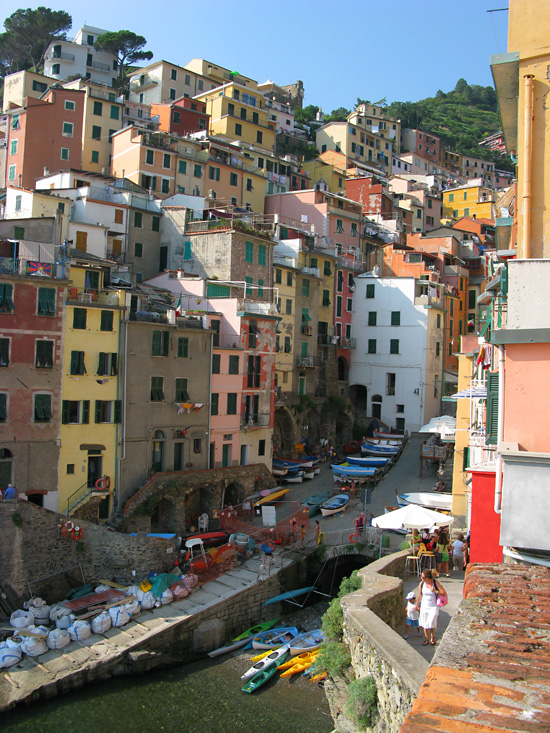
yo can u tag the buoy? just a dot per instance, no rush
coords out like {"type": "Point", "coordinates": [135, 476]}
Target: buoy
{"type": "Point", "coordinates": [102, 483]}
{"type": "Point", "coordinates": [353, 537]}
{"type": "Point", "coordinates": [76, 534]}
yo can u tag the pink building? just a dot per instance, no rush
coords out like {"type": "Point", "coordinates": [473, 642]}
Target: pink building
{"type": "Point", "coordinates": [423, 143]}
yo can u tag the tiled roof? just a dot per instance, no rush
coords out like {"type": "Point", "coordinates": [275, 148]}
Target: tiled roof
{"type": "Point", "coordinates": [492, 670]}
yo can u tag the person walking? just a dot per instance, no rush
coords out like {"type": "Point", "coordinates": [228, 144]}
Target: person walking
{"type": "Point", "coordinates": [426, 603]}
{"type": "Point", "coordinates": [10, 492]}
{"type": "Point", "coordinates": [247, 510]}
{"type": "Point", "coordinates": [442, 553]}
{"type": "Point", "coordinates": [458, 552]}
{"type": "Point", "coordinates": [412, 615]}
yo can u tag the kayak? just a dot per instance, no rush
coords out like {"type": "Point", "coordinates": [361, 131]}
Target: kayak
{"type": "Point", "coordinates": [296, 669]}
{"type": "Point", "coordinates": [305, 657]}
{"type": "Point", "coordinates": [254, 630]}
{"type": "Point", "coordinates": [272, 498]}
{"type": "Point", "coordinates": [275, 656]}
{"type": "Point", "coordinates": [290, 594]}
{"type": "Point", "coordinates": [244, 638]}
{"type": "Point", "coordinates": [260, 678]}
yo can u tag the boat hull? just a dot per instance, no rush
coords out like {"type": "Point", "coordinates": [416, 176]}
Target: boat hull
{"type": "Point", "coordinates": [272, 498]}
{"type": "Point", "coordinates": [261, 678]}
{"type": "Point", "coordinates": [369, 449]}
{"type": "Point", "coordinates": [369, 461]}
{"type": "Point", "coordinates": [332, 506]}
{"type": "Point", "coordinates": [353, 471]}
{"type": "Point", "coordinates": [427, 500]}
{"type": "Point", "coordinates": [276, 656]}
{"type": "Point", "coordinates": [312, 503]}
{"type": "Point", "coordinates": [275, 638]}
{"type": "Point", "coordinates": [296, 478]}
{"type": "Point", "coordinates": [308, 642]}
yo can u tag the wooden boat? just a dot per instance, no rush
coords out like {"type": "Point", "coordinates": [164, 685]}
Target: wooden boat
{"type": "Point", "coordinates": [210, 539]}
{"type": "Point", "coordinates": [371, 461]}
{"type": "Point", "coordinates": [275, 656]}
{"type": "Point", "coordinates": [312, 503]}
{"type": "Point", "coordinates": [289, 595]}
{"type": "Point", "coordinates": [279, 471]}
{"type": "Point", "coordinates": [344, 469]}
{"type": "Point", "coordinates": [309, 473]}
{"type": "Point", "coordinates": [260, 678]}
{"type": "Point", "coordinates": [388, 436]}
{"type": "Point", "coordinates": [281, 463]}
{"type": "Point", "coordinates": [384, 441]}
{"type": "Point", "coordinates": [308, 642]}
{"type": "Point", "coordinates": [353, 446]}
{"type": "Point", "coordinates": [388, 451]}
{"type": "Point", "coordinates": [426, 499]}
{"type": "Point", "coordinates": [335, 504]}
{"type": "Point", "coordinates": [294, 478]}
{"type": "Point", "coordinates": [272, 498]}
{"type": "Point", "coordinates": [274, 638]}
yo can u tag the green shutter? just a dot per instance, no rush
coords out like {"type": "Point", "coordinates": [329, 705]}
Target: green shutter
{"type": "Point", "coordinates": [114, 365]}
{"type": "Point", "coordinates": [249, 252]}
{"type": "Point", "coordinates": [396, 318]}
{"type": "Point", "coordinates": [214, 403]}
{"type": "Point", "coordinates": [183, 348]}
{"type": "Point", "coordinates": [231, 403]}
{"type": "Point", "coordinates": [65, 412]}
{"type": "Point", "coordinates": [74, 362]}
{"type": "Point", "coordinates": [86, 411]}
{"type": "Point", "coordinates": [118, 411]}
{"type": "Point", "coordinates": [233, 365]}
{"type": "Point", "coordinates": [216, 358]}
{"type": "Point", "coordinates": [370, 291]}
{"type": "Point", "coordinates": [491, 425]}
{"type": "Point", "coordinates": [101, 364]}
{"type": "Point", "coordinates": [97, 411]}
{"type": "Point", "coordinates": [261, 254]}
{"type": "Point", "coordinates": [156, 343]}
{"type": "Point", "coordinates": [466, 458]}
{"type": "Point", "coordinates": [3, 407]}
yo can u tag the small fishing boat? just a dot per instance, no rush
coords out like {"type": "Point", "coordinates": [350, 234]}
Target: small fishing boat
{"type": "Point", "coordinates": [312, 503]}
{"type": "Point", "coordinates": [281, 463]}
{"type": "Point", "coordinates": [279, 471]}
{"type": "Point", "coordinates": [260, 678]}
{"type": "Point", "coordinates": [294, 478]}
{"type": "Point", "coordinates": [388, 451]}
{"type": "Point", "coordinates": [308, 642]}
{"type": "Point", "coordinates": [289, 595]}
{"type": "Point", "coordinates": [274, 638]}
{"type": "Point", "coordinates": [353, 446]}
{"type": "Point", "coordinates": [275, 656]}
{"type": "Point", "coordinates": [345, 469]}
{"type": "Point", "coordinates": [388, 436]}
{"type": "Point", "coordinates": [426, 499]}
{"type": "Point", "coordinates": [272, 498]}
{"type": "Point", "coordinates": [210, 539]}
{"type": "Point", "coordinates": [308, 461]}
{"type": "Point", "coordinates": [384, 441]}
{"type": "Point", "coordinates": [369, 461]}
{"type": "Point", "coordinates": [334, 505]}
{"type": "Point", "coordinates": [309, 473]}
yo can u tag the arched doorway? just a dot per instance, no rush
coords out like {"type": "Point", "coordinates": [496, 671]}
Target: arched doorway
{"type": "Point", "coordinates": [163, 519]}
{"type": "Point", "coordinates": [358, 397]}
{"type": "Point", "coordinates": [284, 438]}
{"type": "Point", "coordinates": [37, 499]}
{"type": "Point", "coordinates": [343, 369]}
{"type": "Point", "coordinates": [232, 494]}
{"type": "Point", "coordinates": [377, 406]}
{"type": "Point", "coordinates": [6, 462]}
{"type": "Point", "coordinates": [157, 460]}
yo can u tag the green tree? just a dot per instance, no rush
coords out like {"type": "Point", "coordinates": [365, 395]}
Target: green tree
{"type": "Point", "coordinates": [127, 47]}
{"type": "Point", "coordinates": [338, 115]}
{"type": "Point", "coordinates": [32, 31]}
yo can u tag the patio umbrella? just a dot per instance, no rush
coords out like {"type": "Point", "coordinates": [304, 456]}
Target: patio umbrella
{"type": "Point", "coordinates": [412, 516]}
{"type": "Point", "coordinates": [444, 425]}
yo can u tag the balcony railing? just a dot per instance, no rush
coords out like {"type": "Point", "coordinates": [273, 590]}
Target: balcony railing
{"type": "Point", "coordinates": [427, 300]}
{"type": "Point", "coordinates": [91, 296]}
{"type": "Point", "coordinates": [456, 270]}
{"type": "Point", "coordinates": [142, 82]}
{"type": "Point", "coordinates": [351, 263]}
{"type": "Point", "coordinates": [255, 421]}
{"type": "Point", "coordinates": [313, 271]}
{"type": "Point", "coordinates": [323, 339]}
{"type": "Point", "coordinates": [259, 307]}
{"type": "Point", "coordinates": [307, 330]}
{"type": "Point", "coordinates": [148, 317]}
{"type": "Point", "coordinates": [349, 343]}
{"type": "Point", "coordinates": [62, 56]}
{"type": "Point", "coordinates": [99, 66]}
{"type": "Point", "coordinates": [306, 361]}
{"type": "Point", "coordinates": [31, 268]}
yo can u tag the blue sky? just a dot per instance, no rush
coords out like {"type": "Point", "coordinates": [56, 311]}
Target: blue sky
{"type": "Point", "coordinates": [402, 50]}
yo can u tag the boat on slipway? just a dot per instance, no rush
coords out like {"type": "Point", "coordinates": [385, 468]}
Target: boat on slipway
{"type": "Point", "coordinates": [274, 638]}
{"type": "Point", "coordinates": [370, 461]}
{"type": "Point", "coordinates": [388, 451]}
{"type": "Point", "coordinates": [312, 503]}
{"type": "Point", "coordinates": [335, 504]}
{"type": "Point", "coordinates": [345, 469]}
{"type": "Point", "coordinates": [429, 500]}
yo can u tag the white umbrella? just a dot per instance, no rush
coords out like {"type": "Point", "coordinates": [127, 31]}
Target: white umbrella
{"type": "Point", "coordinates": [412, 516]}
{"type": "Point", "coordinates": [445, 425]}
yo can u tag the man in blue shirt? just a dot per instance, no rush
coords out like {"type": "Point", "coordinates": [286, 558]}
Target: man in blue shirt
{"type": "Point", "coordinates": [10, 492]}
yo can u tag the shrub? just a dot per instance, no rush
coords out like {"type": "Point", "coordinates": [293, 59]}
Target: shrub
{"type": "Point", "coordinates": [333, 658]}
{"type": "Point", "coordinates": [333, 618]}
{"type": "Point", "coordinates": [349, 585]}
{"type": "Point", "coordinates": [362, 701]}
{"type": "Point", "coordinates": [17, 519]}
{"type": "Point", "coordinates": [149, 505]}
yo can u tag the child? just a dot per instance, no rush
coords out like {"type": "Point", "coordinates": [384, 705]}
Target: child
{"type": "Point", "coordinates": [412, 614]}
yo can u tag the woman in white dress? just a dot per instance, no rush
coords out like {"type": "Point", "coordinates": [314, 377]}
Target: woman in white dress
{"type": "Point", "coordinates": [426, 603]}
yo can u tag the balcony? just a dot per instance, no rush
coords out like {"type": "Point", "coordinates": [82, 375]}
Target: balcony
{"type": "Point", "coordinates": [31, 268]}
{"type": "Point", "coordinates": [456, 270]}
{"type": "Point", "coordinates": [349, 343]}
{"type": "Point", "coordinates": [148, 317]}
{"type": "Point", "coordinates": [258, 307]}
{"type": "Point", "coordinates": [307, 330]}
{"type": "Point", "coordinates": [351, 263]}
{"type": "Point", "coordinates": [91, 296]}
{"type": "Point", "coordinates": [313, 271]}
{"type": "Point", "coordinates": [98, 65]}
{"type": "Point", "coordinates": [249, 422]}
{"type": "Point", "coordinates": [428, 300]}
{"type": "Point", "coordinates": [142, 82]}
{"type": "Point", "coordinates": [323, 339]}
{"type": "Point", "coordinates": [61, 56]}
{"type": "Point", "coordinates": [307, 362]}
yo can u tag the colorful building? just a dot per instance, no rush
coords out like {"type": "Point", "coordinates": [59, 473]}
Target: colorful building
{"type": "Point", "coordinates": [474, 199]}
{"type": "Point", "coordinates": [22, 84]}
{"type": "Point", "coordinates": [424, 143]}
{"type": "Point", "coordinates": [181, 117]}
{"type": "Point", "coordinates": [162, 83]}
{"type": "Point", "coordinates": [78, 57]}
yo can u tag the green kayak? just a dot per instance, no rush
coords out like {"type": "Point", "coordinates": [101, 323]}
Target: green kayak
{"type": "Point", "coordinates": [255, 630]}
{"type": "Point", "coordinates": [264, 675]}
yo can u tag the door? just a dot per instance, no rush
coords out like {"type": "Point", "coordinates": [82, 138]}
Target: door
{"type": "Point", "coordinates": [226, 455]}
{"type": "Point", "coordinates": [6, 459]}
{"type": "Point", "coordinates": [245, 449]}
{"type": "Point", "coordinates": [302, 386]}
{"type": "Point", "coordinates": [158, 455]}
{"type": "Point", "coordinates": [95, 469]}
{"type": "Point", "coordinates": [178, 457]}
{"type": "Point", "coordinates": [212, 457]}
{"type": "Point", "coordinates": [163, 258]}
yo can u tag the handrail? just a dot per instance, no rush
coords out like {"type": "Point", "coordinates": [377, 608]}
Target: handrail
{"type": "Point", "coordinates": [72, 506]}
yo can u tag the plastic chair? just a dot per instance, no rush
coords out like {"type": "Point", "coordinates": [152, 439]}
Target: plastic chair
{"type": "Point", "coordinates": [414, 562]}
{"type": "Point", "coordinates": [203, 522]}
{"type": "Point", "coordinates": [427, 558]}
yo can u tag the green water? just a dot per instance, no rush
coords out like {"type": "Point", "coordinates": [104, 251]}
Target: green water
{"type": "Point", "coordinates": [202, 697]}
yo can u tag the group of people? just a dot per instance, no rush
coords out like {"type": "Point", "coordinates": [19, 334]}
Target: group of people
{"type": "Point", "coordinates": [444, 550]}
{"type": "Point", "coordinates": [10, 492]}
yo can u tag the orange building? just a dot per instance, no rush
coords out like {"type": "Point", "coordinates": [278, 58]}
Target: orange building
{"type": "Point", "coordinates": [45, 133]}
{"type": "Point", "coordinates": [182, 116]}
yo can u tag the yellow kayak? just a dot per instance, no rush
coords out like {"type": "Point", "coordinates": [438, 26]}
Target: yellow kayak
{"type": "Point", "coordinates": [274, 497]}
{"type": "Point", "coordinates": [305, 657]}
{"type": "Point", "coordinates": [258, 657]}
{"type": "Point", "coordinates": [319, 677]}
{"type": "Point", "coordinates": [300, 667]}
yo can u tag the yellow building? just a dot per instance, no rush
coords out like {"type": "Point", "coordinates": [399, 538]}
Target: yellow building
{"type": "Point", "coordinates": [218, 74]}
{"type": "Point", "coordinates": [331, 174]}
{"type": "Point", "coordinates": [102, 118]}
{"type": "Point", "coordinates": [91, 392]}
{"type": "Point", "coordinates": [23, 84]}
{"type": "Point", "coordinates": [521, 82]}
{"type": "Point", "coordinates": [238, 112]}
{"type": "Point", "coordinates": [284, 279]}
{"type": "Point", "coordinates": [473, 200]}
{"type": "Point", "coordinates": [232, 179]}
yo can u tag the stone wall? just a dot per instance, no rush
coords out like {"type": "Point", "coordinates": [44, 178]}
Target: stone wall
{"type": "Point", "coordinates": [370, 615]}
{"type": "Point", "coordinates": [34, 555]}
{"type": "Point", "coordinates": [173, 498]}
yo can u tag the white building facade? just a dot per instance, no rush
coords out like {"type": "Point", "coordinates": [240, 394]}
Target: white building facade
{"type": "Point", "coordinates": [66, 58]}
{"type": "Point", "coordinates": [396, 368]}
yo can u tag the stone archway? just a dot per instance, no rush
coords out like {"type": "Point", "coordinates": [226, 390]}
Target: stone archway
{"type": "Point", "coordinates": [232, 494]}
{"type": "Point", "coordinates": [358, 397]}
{"type": "Point", "coordinates": [164, 517]}
{"type": "Point", "coordinates": [284, 435]}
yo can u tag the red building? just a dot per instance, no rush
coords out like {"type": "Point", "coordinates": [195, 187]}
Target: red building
{"type": "Point", "coordinates": [32, 302]}
{"type": "Point", "coordinates": [372, 194]}
{"type": "Point", "coordinates": [182, 116]}
{"type": "Point", "coordinates": [420, 142]}
{"type": "Point", "coordinates": [46, 133]}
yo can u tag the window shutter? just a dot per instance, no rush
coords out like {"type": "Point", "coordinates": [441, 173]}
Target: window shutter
{"type": "Point", "coordinates": [156, 343]}
{"type": "Point", "coordinates": [86, 411]}
{"type": "Point", "coordinates": [65, 412]}
{"type": "Point", "coordinates": [101, 364]}
{"type": "Point", "coordinates": [98, 411]}
{"type": "Point", "coordinates": [118, 411]}
{"type": "Point", "coordinates": [491, 425]}
{"type": "Point", "coordinates": [258, 369]}
{"type": "Point", "coordinates": [74, 362]}
{"type": "Point", "coordinates": [114, 365]}
{"type": "Point", "coordinates": [214, 404]}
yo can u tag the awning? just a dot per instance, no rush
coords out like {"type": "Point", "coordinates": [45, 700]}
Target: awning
{"type": "Point", "coordinates": [306, 317]}
{"type": "Point", "coordinates": [471, 392]}
{"type": "Point", "coordinates": [91, 446]}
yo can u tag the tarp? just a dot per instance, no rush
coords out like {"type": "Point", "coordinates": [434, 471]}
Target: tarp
{"type": "Point", "coordinates": [412, 517]}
